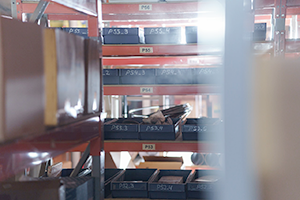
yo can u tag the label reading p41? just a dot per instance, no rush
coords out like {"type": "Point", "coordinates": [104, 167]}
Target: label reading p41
{"type": "Point", "coordinates": [146, 49]}
{"type": "Point", "coordinates": [148, 146]}
{"type": "Point", "coordinates": [145, 7]}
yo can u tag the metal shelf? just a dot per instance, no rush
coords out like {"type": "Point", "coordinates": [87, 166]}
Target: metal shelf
{"type": "Point", "coordinates": [26, 152]}
{"type": "Point", "coordinates": [159, 146]}
{"type": "Point", "coordinates": [160, 89]}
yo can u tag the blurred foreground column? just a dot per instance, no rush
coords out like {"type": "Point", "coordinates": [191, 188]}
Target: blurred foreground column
{"type": "Point", "coordinates": [240, 175]}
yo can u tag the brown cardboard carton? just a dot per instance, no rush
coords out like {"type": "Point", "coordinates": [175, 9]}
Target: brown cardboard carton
{"type": "Point", "coordinates": [92, 71]}
{"type": "Point", "coordinates": [160, 162]}
{"type": "Point", "coordinates": [21, 79]}
{"type": "Point", "coordinates": [276, 128]}
{"type": "Point", "coordinates": [33, 190]}
{"type": "Point", "coordinates": [65, 76]}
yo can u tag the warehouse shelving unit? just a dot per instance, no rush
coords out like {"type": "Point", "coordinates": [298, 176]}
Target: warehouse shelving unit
{"type": "Point", "coordinates": [116, 55]}
{"type": "Point", "coordinates": [157, 56]}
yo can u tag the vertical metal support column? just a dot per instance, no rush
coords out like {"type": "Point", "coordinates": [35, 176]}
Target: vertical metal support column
{"type": "Point", "coordinates": [239, 181]}
{"type": "Point", "coordinates": [279, 35]}
{"type": "Point", "coordinates": [97, 145]}
{"type": "Point", "coordinates": [16, 9]}
{"type": "Point", "coordinates": [98, 154]}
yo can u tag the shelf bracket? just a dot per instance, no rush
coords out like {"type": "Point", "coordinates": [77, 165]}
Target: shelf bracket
{"type": "Point", "coordinates": [14, 9]}
{"type": "Point", "coordinates": [39, 11]}
{"type": "Point", "coordinates": [279, 19]}
{"type": "Point", "coordinates": [81, 162]}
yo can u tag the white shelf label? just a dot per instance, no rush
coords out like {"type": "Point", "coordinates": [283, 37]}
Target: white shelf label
{"type": "Point", "coordinates": [146, 49]}
{"type": "Point", "coordinates": [193, 61]}
{"type": "Point", "coordinates": [147, 90]}
{"type": "Point", "coordinates": [148, 146]}
{"type": "Point", "coordinates": [145, 7]}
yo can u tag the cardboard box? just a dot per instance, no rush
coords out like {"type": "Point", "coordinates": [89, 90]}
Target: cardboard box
{"type": "Point", "coordinates": [92, 79]}
{"type": "Point", "coordinates": [160, 162]}
{"type": "Point", "coordinates": [21, 80]}
{"type": "Point", "coordinates": [64, 76]}
{"type": "Point", "coordinates": [34, 190]}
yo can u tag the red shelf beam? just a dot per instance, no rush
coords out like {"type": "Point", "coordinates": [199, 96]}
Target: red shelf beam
{"type": "Point", "coordinates": [26, 152]}
{"type": "Point", "coordinates": [163, 60]}
{"type": "Point", "coordinates": [163, 7]}
{"type": "Point", "coordinates": [137, 146]}
{"type": "Point", "coordinates": [161, 89]}
{"type": "Point", "coordinates": [157, 50]}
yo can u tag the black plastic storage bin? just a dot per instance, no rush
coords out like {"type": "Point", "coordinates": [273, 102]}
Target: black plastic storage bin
{"type": "Point", "coordinates": [122, 129]}
{"type": "Point", "coordinates": [204, 190]}
{"type": "Point", "coordinates": [174, 76]}
{"type": "Point", "coordinates": [206, 75]}
{"type": "Point", "coordinates": [137, 76]}
{"type": "Point", "coordinates": [79, 187]}
{"type": "Point", "coordinates": [260, 30]}
{"type": "Point", "coordinates": [163, 35]}
{"type": "Point", "coordinates": [111, 77]}
{"type": "Point", "coordinates": [200, 128]}
{"type": "Point", "coordinates": [160, 132]}
{"type": "Point", "coordinates": [123, 36]}
{"type": "Point", "coordinates": [74, 187]}
{"type": "Point", "coordinates": [168, 191]}
{"type": "Point", "coordinates": [191, 34]}
{"type": "Point", "coordinates": [131, 183]}
{"type": "Point", "coordinates": [110, 174]}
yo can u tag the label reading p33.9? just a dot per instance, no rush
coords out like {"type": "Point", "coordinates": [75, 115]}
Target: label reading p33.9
{"type": "Point", "coordinates": [145, 7]}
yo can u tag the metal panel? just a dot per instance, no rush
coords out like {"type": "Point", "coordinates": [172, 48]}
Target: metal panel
{"type": "Point", "coordinates": [86, 6]}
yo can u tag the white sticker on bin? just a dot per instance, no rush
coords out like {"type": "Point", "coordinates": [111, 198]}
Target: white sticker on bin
{"type": "Point", "coordinates": [145, 7]}
{"type": "Point", "coordinates": [148, 146]}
